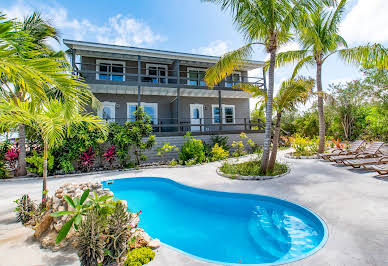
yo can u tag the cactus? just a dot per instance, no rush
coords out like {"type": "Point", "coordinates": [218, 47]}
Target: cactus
{"type": "Point", "coordinates": [25, 209]}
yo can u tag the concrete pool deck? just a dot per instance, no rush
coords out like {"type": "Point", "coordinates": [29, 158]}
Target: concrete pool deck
{"type": "Point", "coordinates": [352, 202]}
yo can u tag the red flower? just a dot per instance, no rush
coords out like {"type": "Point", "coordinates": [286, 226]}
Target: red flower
{"type": "Point", "coordinates": [139, 212]}
{"type": "Point", "coordinates": [102, 237]}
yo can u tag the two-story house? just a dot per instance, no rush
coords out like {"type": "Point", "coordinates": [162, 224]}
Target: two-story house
{"type": "Point", "coordinates": [171, 88]}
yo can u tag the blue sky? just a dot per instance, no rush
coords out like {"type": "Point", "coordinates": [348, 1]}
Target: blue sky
{"type": "Point", "coordinates": [191, 26]}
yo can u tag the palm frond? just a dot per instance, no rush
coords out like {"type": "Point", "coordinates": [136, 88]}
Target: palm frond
{"type": "Point", "coordinates": [366, 55]}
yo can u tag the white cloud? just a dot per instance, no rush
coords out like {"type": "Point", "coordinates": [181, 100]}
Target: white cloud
{"type": "Point", "coordinates": [119, 29]}
{"type": "Point", "coordinates": [366, 22]}
{"type": "Point", "coordinates": [215, 48]}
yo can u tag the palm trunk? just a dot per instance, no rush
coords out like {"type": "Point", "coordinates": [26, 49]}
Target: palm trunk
{"type": "Point", "coordinates": [321, 146]}
{"type": "Point", "coordinates": [21, 170]}
{"type": "Point", "coordinates": [268, 112]}
{"type": "Point", "coordinates": [45, 155]}
{"type": "Point", "coordinates": [275, 142]}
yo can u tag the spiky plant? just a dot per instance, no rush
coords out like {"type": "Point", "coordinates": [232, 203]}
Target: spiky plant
{"type": "Point", "coordinates": [25, 209]}
{"type": "Point", "coordinates": [91, 239]}
{"type": "Point", "coordinates": [117, 234]}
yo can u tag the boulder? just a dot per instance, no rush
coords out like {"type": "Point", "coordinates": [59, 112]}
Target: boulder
{"type": "Point", "coordinates": [42, 227]}
{"type": "Point", "coordinates": [154, 243]}
{"type": "Point", "coordinates": [141, 239]}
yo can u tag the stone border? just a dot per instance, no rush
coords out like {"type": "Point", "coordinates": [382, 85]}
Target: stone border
{"type": "Point", "coordinates": [291, 156]}
{"type": "Point", "coordinates": [251, 177]}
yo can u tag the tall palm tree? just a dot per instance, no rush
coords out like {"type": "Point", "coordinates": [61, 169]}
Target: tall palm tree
{"type": "Point", "coordinates": [262, 22]}
{"type": "Point", "coordinates": [292, 92]}
{"type": "Point", "coordinates": [51, 119]}
{"type": "Point", "coordinates": [319, 38]}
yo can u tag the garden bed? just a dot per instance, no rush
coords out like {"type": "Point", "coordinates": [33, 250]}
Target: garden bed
{"type": "Point", "coordinates": [292, 155]}
{"type": "Point", "coordinates": [250, 170]}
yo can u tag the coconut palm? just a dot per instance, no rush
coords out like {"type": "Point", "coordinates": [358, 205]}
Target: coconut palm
{"type": "Point", "coordinates": [319, 39]}
{"type": "Point", "coordinates": [267, 23]}
{"type": "Point", "coordinates": [292, 92]}
{"type": "Point", "coordinates": [51, 119]}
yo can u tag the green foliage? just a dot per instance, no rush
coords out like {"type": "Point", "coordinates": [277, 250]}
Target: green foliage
{"type": "Point", "coordinates": [139, 256]}
{"type": "Point", "coordinates": [130, 136]}
{"type": "Point", "coordinates": [90, 239]}
{"type": "Point", "coordinates": [192, 151]}
{"type": "Point", "coordinates": [218, 153]}
{"type": "Point", "coordinates": [304, 146]}
{"type": "Point", "coordinates": [36, 163]}
{"type": "Point", "coordinates": [173, 162]}
{"type": "Point", "coordinates": [222, 141]}
{"type": "Point", "coordinates": [25, 209]}
{"type": "Point", "coordinates": [166, 148]}
{"type": "Point", "coordinates": [252, 168]}
{"type": "Point", "coordinates": [3, 150]}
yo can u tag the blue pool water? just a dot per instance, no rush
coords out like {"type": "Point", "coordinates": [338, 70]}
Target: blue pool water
{"type": "Point", "coordinates": [227, 228]}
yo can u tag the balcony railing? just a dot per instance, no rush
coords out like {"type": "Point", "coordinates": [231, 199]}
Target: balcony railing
{"type": "Point", "coordinates": [171, 126]}
{"type": "Point", "coordinates": [166, 78]}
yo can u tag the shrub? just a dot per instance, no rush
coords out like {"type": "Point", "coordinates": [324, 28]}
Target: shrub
{"type": "Point", "coordinates": [3, 151]}
{"type": "Point", "coordinates": [304, 146]}
{"type": "Point", "coordinates": [192, 150]}
{"type": "Point", "coordinates": [238, 148]}
{"type": "Point", "coordinates": [110, 154]}
{"type": "Point", "coordinates": [12, 156]}
{"type": "Point", "coordinates": [218, 153]}
{"type": "Point", "coordinates": [166, 148]}
{"type": "Point", "coordinates": [87, 159]}
{"type": "Point", "coordinates": [36, 163]}
{"type": "Point", "coordinates": [222, 141]}
{"type": "Point", "coordinates": [139, 256]}
{"type": "Point", "coordinates": [252, 168]}
{"type": "Point", "coordinates": [25, 208]}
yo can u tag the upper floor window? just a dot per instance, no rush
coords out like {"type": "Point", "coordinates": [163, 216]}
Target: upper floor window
{"type": "Point", "coordinates": [110, 70]}
{"type": "Point", "coordinates": [157, 73]}
{"type": "Point", "coordinates": [107, 111]}
{"type": "Point", "coordinates": [196, 76]}
{"type": "Point", "coordinates": [233, 79]}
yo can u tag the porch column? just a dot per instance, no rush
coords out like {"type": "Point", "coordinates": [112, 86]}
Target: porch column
{"type": "Point", "coordinates": [220, 108]}
{"type": "Point", "coordinates": [178, 94]}
{"type": "Point", "coordinates": [73, 65]}
{"type": "Point", "coordinates": [138, 80]}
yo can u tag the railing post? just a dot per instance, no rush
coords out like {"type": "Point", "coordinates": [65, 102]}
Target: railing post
{"type": "Point", "coordinates": [73, 62]}
{"type": "Point", "coordinates": [245, 123]}
{"type": "Point", "coordinates": [138, 80]}
{"type": "Point", "coordinates": [200, 125]}
{"type": "Point", "coordinates": [220, 109]}
{"type": "Point", "coordinates": [178, 94]}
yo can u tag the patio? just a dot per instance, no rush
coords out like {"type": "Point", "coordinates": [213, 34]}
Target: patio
{"type": "Point", "coordinates": [350, 201]}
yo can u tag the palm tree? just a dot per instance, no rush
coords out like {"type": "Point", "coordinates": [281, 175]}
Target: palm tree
{"type": "Point", "coordinates": [267, 23]}
{"type": "Point", "coordinates": [292, 92]}
{"type": "Point", "coordinates": [319, 38]}
{"type": "Point", "coordinates": [50, 119]}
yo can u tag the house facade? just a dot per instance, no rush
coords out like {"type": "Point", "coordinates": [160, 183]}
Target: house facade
{"type": "Point", "coordinates": [169, 85]}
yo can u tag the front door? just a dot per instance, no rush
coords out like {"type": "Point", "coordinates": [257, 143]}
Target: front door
{"type": "Point", "coordinates": [196, 116]}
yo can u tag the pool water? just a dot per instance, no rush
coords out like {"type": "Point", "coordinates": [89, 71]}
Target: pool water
{"type": "Point", "coordinates": [221, 227]}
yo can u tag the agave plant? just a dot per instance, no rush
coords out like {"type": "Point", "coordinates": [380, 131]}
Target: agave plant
{"type": "Point", "coordinates": [25, 209]}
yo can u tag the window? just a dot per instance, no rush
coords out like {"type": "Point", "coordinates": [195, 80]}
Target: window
{"type": "Point", "coordinates": [233, 79]}
{"type": "Point", "coordinates": [151, 109]}
{"type": "Point", "coordinates": [107, 111]}
{"type": "Point", "coordinates": [196, 77]}
{"type": "Point", "coordinates": [110, 70]}
{"type": "Point", "coordinates": [157, 70]}
{"type": "Point", "coordinates": [228, 114]}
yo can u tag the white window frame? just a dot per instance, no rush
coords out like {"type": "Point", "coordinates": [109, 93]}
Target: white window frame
{"type": "Point", "coordinates": [99, 61]}
{"type": "Point", "coordinates": [188, 75]}
{"type": "Point", "coordinates": [155, 105]}
{"type": "Point", "coordinates": [157, 65]}
{"type": "Point", "coordinates": [223, 113]}
{"type": "Point", "coordinates": [239, 78]}
{"type": "Point", "coordinates": [111, 105]}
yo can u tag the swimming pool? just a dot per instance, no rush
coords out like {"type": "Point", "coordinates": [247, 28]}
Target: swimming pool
{"type": "Point", "coordinates": [221, 227]}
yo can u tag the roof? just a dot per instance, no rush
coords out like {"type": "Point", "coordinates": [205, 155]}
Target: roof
{"type": "Point", "coordinates": [130, 50]}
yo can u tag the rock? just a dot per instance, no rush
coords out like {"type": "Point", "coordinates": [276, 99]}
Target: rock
{"type": "Point", "coordinates": [142, 239]}
{"type": "Point", "coordinates": [154, 243]}
{"type": "Point", "coordinates": [58, 226]}
{"type": "Point", "coordinates": [59, 190]}
{"type": "Point", "coordinates": [59, 196]}
{"type": "Point", "coordinates": [48, 240]}
{"type": "Point", "coordinates": [42, 227]}
{"type": "Point", "coordinates": [61, 208]}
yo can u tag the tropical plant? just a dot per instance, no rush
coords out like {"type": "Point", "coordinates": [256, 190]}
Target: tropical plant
{"type": "Point", "coordinates": [222, 141]}
{"type": "Point", "coordinates": [218, 153]}
{"type": "Point", "coordinates": [12, 156]}
{"type": "Point", "coordinates": [36, 162]}
{"type": "Point", "coordinates": [4, 146]}
{"type": "Point", "coordinates": [166, 148]}
{"type": "Point", "coordinates": [192, 151]}
{"type": "Point", "coordinates": [319, 38]}
{"type": "Point", "coordinates": [110, 155]}
{"type": "Point", "coordinates": [267, 23]}
{"type": "Point", "coordinates": [87, 159]}
{"type": "Point", "coordinates": [139, 256]}
{"type": "Point", "coordinates": [25, 208]}
{"type": "Point", "coordinates": [239, 148]}
{"type": "Point", "coordinates": [50, 119]}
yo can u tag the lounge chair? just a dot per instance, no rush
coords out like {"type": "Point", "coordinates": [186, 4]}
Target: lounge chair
{"type": "Point", "coordinates": [382, 169]}
{"type": "Point", "coordinates": [354, 147]}
{"type": "Point", "coordinates": [357, 163]}
{"type": "Point", "coordinates": [371, 151]}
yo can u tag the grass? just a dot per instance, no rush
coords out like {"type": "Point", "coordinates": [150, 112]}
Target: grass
{"type": "Point", "coordinates": [252, 168]}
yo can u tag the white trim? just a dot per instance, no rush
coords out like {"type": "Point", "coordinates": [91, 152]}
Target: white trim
{"type": "Point", "coordinates": [223, 113]}
{"type": "Point", "coordinates": [158, 65]}
{"type": "Point", "coordinates": [112, 106]}
{"type": "Point", "coordinates": [239, 78]}
{"type": "Point", "coordinates": [99, 61]}
{"type": "Point", "coordinates": [201, 114]}
{"type": "Point", "coordinates": [194, 68]}
{"type": "Point", "coordinates": [155, 105]}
